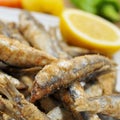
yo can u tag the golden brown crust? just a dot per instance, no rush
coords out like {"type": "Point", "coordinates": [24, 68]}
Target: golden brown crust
{"type": "Point", "coordinates": [11, 30]}
{"type": "Point", "coordinates": [63, 72]}
{"type": "Point", "coordinates": [17, 106]}
{"type": "Point", "coordinates": [107, 82]}
{"type": "Point", "coordinates": [38, 37]}
{"type": "Point", "coordinates": [16, 54]}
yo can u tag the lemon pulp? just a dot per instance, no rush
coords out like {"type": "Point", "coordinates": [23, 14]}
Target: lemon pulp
{"type": "Point", "coordinates": [101, 32]}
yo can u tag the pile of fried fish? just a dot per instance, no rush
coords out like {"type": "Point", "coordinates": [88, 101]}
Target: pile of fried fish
{"type": "Point", "coordinates": [44, 78]}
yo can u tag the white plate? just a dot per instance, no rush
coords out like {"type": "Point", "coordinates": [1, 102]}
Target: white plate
{"type": "Point", "coordinates": [11, 14]}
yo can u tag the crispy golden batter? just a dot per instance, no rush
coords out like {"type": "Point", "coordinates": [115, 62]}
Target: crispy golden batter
{"type": "Point", "coordinates": [107, 82]}
{"type": "Point", "coordinates": [18, 84]}
{"type": "Point", "coordinates": [11, 30]}
{"type": "Point", "coordinates": [64, 72]}
{"type": "Point", "coordinates": [17, 107]}
{"type": "Point", "coordinates": [72, 51]}
{"type": "Point", "coordinates": [36, 34]}
{"type": "Point", "coordinates": [109, 105]}
{"type": "Point", "coordinates": [15, 33]}
{"type": "Point", "coordinates": [70, 96]}
{"type": "Point", "coordinates": [16, 54]}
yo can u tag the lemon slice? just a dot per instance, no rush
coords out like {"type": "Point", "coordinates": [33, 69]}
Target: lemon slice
{"type": "Point", "coordinates": [90, 31]}
{"type": "Point", "coordinates": [54, 7]}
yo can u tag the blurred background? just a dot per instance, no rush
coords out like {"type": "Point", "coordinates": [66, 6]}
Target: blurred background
{"type": "Point", "coordinates": [108, 9]}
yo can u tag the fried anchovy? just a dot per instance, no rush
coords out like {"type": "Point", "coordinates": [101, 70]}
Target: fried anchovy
{"type": "Point", "coordinates": [16, 54]}
{"type": "Point", "coordinates": [3, 29]}
{"type": "Point", "coordinates": [74, 51]}
{"type": "Point", "coordinates": [10, 30]}
{"type": "Point", "coordinates": [64, 72]}
{"type": "Point", "coordinates": [61, 53]}
{"type": "Point", "coordinates": [38, 37]}
{"type": "Point", "coordinates": [16, 82]}
{"type": "Point", "coordinates": [73, 96]}
{"type": "Point", "coordinates": [76, 98]}
{"type": "Point", "coordinates": [7, 107]}
{"type": "Point", "coordinates": [70, 50]}
{"type": "Point", "coordinates": [70, 96]}
{"type": "Point", "coordinates": [108, 105]}
{"type": "Point", "coordinates": [15, 33]}
{"type": "Point", "coordinates": [18, 107]}
{"type": "Point", "coordinates": [108, 80]}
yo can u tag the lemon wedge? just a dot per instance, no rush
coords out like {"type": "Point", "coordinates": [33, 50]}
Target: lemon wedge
{"type": "Point", "coordinates": [54, 7]}
{"type": "Point", "coordinates": [90, 31]}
